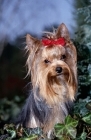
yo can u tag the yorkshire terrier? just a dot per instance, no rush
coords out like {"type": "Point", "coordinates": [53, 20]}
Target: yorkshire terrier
{"type": "Point", "coordinates": [52, 63]}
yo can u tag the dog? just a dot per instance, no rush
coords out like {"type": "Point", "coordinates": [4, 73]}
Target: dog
{"type": "Point", "coordinates": [52, 65]}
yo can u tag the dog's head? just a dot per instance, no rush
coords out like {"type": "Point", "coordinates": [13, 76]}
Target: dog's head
{"type": "Point", "coordinates": [52, 64]}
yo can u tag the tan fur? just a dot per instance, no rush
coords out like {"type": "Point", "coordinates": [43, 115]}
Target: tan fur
{"type": "Point", "coordinates": [53, 88]}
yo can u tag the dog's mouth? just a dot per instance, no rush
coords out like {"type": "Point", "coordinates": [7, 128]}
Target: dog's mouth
{"type": "Point", "coordinates": [64, 75]}
{"type": "Point", "coordinates": [62, 72]}
{"type": "Point", "coordinates": [59, 74]}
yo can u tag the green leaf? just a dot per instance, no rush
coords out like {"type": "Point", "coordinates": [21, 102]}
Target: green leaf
{"type": "Point", "coordinates": [81, 106]}
{"type": "Point", "coordinates": [59, 129]}
{"type": "Point", "coordinates": [88, 105]}
{"type": "Point", "coordinates": [62, 137]}
{"type": "Point", "coordinates": [32, 137]}
{"type": "Point", "coordinates": [30, 131]}
{"type": "Point", "coordinates": [82, 136]}
{"type": "Point", "coordinates": [10, 128]}
{"type": "Point", "coordinates": [71, 132]}
{"type": "Point", "coordinates": [68, 128]}
{"type": "Point", "coordinates": [70, 121]}
{"type": "Point", "coordinates": [87, 118]}
{"type": "Point", "coordinates": [12, 133]}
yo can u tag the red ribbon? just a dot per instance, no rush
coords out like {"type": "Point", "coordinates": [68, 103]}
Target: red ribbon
{"type": "Point", "coordinates": [49, 42]}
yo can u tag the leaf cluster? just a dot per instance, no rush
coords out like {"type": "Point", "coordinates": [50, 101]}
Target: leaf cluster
{"type": "Point", "coordinates": [75, 127]}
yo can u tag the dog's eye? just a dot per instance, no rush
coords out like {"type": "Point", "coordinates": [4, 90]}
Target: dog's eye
{"type": "Point", "coordinates": [63, 56]}
{"type": "Point", "coordinates": [46, 61]}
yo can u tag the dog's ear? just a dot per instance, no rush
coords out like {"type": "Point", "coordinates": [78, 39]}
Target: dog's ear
{"type": "Point", "coordinates": [29, 40]}
{"type": "Point", "coordinates": [32, 42]}
{"type": "Point", "coordinates": [62, 31]}
{"type": "Point", "coordinates": [32, 47]}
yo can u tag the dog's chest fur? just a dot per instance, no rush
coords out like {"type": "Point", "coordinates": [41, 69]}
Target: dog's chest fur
{"type": "Point", "coordinates": [37, 113]}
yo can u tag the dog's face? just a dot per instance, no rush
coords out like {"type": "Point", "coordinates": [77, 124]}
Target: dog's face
{"type": "Point", "coordinates": [53, 67]}
{"type": "Point", "coordinates": [54, 60]}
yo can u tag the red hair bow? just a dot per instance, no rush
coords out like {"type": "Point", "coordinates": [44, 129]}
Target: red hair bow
{"type": "Point", "coordinates": [48, 42]}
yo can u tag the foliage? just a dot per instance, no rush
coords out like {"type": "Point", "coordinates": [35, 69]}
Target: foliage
{"type": "Point", "coordinates": [66, 130]}
{"type": "Point", "coordinates": [77, 127]}
{"type": "Point", "coordinates": [84, 12]}
{"type": "Point", "coordinates": [10, 108]}
{"type": "Point", "coordinates": [83, 44]}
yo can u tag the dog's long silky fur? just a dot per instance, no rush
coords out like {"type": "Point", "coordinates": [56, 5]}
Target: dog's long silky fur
{"type": "Point", "coordinates": [52, 95]}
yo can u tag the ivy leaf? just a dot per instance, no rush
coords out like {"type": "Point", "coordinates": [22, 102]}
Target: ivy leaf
{"type": "Point", "coordinates": [32, 137]}
{"type": "Point", "coordinates": [30, 131]}
{"type": "Point", "coordinates": [68, 128]}
{"type": "Point", "coordinates": [81, 106]}
{"type": "Point", "coordinates": [63, 137]}
{"type": "Point", "coordinates": [88, 105]}
{"type": "Point", "coordinates": [10, 130]}
{"type": "Point", "coordinates": [70, 121]}
{"type": "Point", "coordinates": [59, 129]}
{"type": "Point", "coordinates": [12, 133]}
{"type": "Point", "coordinates": [87, 118]}
{"type": "Point", "coordinates": [82, 136]}
{"type": "Point", "coordinates": [71, 132]}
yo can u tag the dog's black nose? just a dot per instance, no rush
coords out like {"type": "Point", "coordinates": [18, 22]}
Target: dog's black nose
{"type": "Point", "coordinates": [58, 69]}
